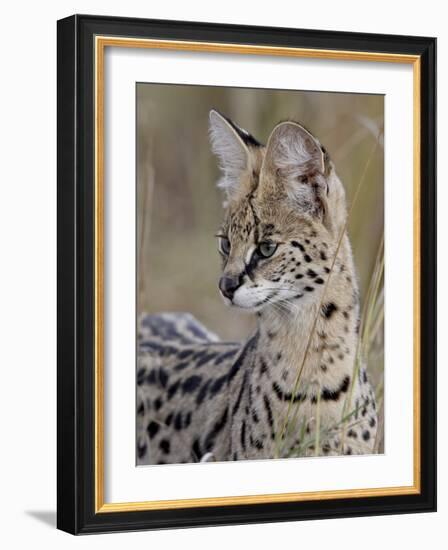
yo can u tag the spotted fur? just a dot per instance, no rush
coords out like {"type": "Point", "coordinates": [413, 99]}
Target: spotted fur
{"type": "Point", "coordinates": [202, 399]}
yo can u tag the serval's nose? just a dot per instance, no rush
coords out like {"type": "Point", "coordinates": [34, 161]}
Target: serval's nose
{"type": "Point", "coordinates": [228, 285]}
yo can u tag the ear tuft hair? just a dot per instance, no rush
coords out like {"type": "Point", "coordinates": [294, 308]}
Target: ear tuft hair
{"type": "Point", "coordinates": [295, 163]}
{"type": "Point", "coordinates": [230, 144]}
{"type": "Point", "coordinates": [294, 151]}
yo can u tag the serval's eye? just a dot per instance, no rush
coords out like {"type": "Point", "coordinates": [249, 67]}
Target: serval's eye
{"type": "Point", "coordinates": [267, 249]}
{"type": "Point", "coordinates": [224, 245]}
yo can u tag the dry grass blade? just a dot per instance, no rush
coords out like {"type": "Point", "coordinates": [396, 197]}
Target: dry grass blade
{"type": "Point", "coordinates": [371, 321]}
{"type": "Point", "coordinates": [317, 438]}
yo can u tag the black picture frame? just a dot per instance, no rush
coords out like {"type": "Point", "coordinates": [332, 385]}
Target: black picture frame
{"type": "Point", "coordinates": [76, 301]}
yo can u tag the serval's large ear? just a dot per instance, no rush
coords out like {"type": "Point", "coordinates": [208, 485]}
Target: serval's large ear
{"type": "Point", "coordinates": [232, 145]}
{"type": "Point", "coordinates": [296, 164]}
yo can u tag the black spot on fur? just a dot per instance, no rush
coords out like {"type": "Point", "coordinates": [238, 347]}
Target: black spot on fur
{"type": "Point", "coordinates": [319, 281]}
{"type": "Point", "coordinates": [202, 393]}
{"type": "Point", "coordinates": [165, 446]}
{"type": "Point", "coordinates": [311, 274]}
{"type": "Point", "coordinates": [247, 348]}
{"type": "Point", "coordinates": [200, 354]}
{"type": "Point", "coordinates": [187, 419]}
{"type": "Point", "coordinates": [152, 429]}
{"type": "Point", "coordinates": [243, 435]}
{"type": "Point", "coordinates": [263, 367]}
{"type": "Point", "coordinates": [366, 435]}
{"type": "Point", "coordinates": [307, 258]}
{"type": "Point", "coordinates": [196, 450]}
{"type": "Point", "coordinates": [309, 288]}
{"type": "Point", "coordinates": [287, 396]}
{"type": "Point", "coordinates": [298, 245]}
{"type": "Point", "coordinates": [173, 389]}
{"type": "Point", "coordinates": [158, 404]}
{"type": "Point", "coordinates": [278, 391]}
{"type": "Point", "coordinates": [333, 395]}
{"type": "Point", "coordinates": [191, 384]}
{"type": "Point", "coordinates": [223, 356]}
{"type": "Point", "coordinates": [141, 375]}
{"type": "Point", "coordinates": [237, 403]}
{"type": "Point", "coordinates": [267, 406]}
{"type": "Point", "coordinates": [183, 354]}
{"type": "Point", "coordinates": [329, 309]}
{"type": "Point", "coordinates": [205, 359]}
{"type": "Point", "coordinates": [218, 384]}
{"type": "Point", "coordinates": [178, 421]}
{"type": "Point", "coordinates": [217, 428]}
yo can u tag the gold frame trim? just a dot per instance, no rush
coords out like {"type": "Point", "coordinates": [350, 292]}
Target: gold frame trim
{"type": "Point", "coordinates": [101, 42]}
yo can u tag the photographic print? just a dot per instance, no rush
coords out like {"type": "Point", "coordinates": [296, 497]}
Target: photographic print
{"type": "Point", "coordinates": [260, 274]}
{"type": "Point", "coordinates": [246, 274]}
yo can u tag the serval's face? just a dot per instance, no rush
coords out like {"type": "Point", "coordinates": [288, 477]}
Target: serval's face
{"type": "Point", "coordinates": [285, 208]}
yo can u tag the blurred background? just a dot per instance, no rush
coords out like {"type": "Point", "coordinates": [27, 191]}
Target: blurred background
{"type": "Point", "coordinates": [180, 208]}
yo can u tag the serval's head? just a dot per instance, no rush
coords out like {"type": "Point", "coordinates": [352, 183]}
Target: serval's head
{"type": "Point", "coordinates": [284, 211]}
